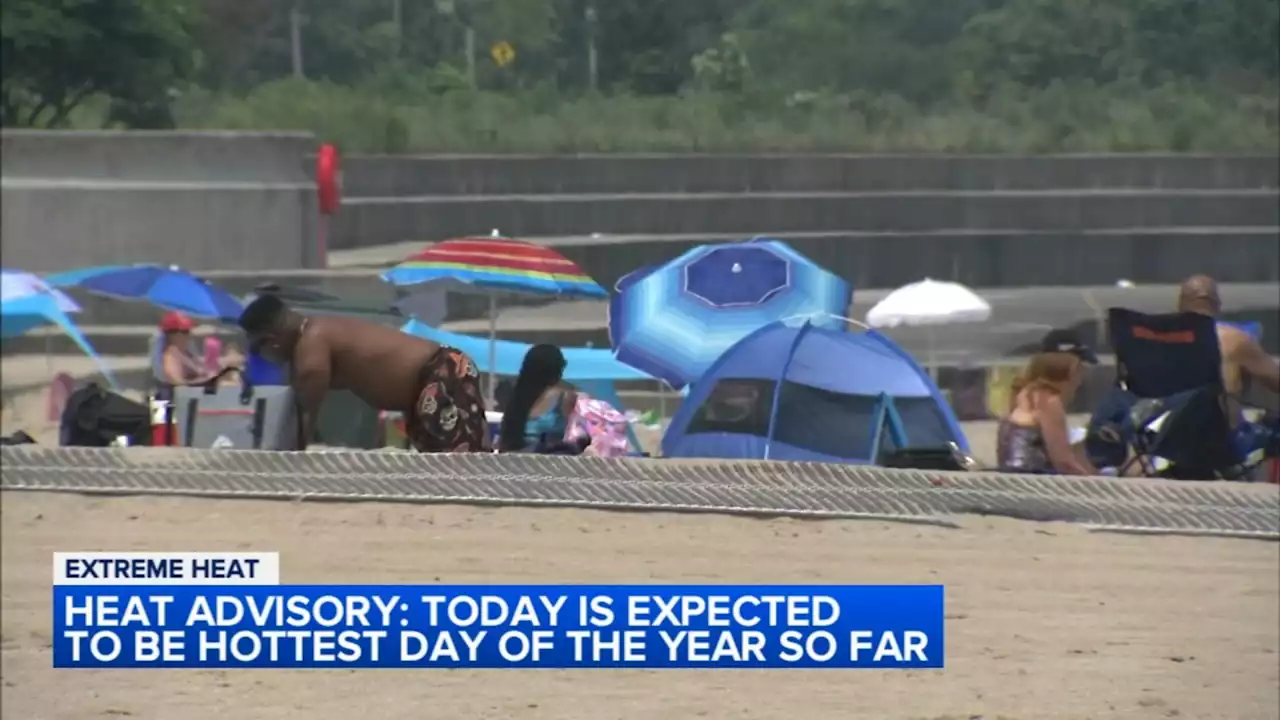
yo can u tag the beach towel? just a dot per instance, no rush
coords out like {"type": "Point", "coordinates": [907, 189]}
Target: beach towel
{"type": "Point", "coordinates": [604, 424]}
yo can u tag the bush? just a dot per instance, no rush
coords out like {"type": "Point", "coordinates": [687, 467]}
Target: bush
{"type": "Point", "coordinates": [431, 114]}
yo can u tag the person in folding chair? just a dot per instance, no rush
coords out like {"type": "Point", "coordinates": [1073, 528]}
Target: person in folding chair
{"type": "Point", "coordinates": [1176, 410]}
{"type": "Point", "coordinates": [173, 357]}
{"type": "Point", "coordinates": [1033, 437]}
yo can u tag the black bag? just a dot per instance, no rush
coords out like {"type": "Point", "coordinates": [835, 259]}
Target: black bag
{"type": "Point", "coordinates": [18, 438]}
{"type": "Point", "coordinates": [922, 459]}
{"type": "Point", "coordinates": [95, 417]}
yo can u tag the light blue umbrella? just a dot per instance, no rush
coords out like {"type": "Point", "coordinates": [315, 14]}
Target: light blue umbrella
{"type": "Point", "coordinates": [673, 321]}
{"type": "Point", "coordinates": [27, 302]}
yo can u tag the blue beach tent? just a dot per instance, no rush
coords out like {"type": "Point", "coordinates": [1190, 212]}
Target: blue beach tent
{"type": "Point", "coordinates": [593, 370]}
{"type": "Point", "coordinates": [807, 393]}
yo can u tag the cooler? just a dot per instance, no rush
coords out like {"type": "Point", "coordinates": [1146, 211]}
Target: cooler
{"type": "Point", "coordinates": [259, 417]}
{"type": "Point", "coordinates": [163, 431]}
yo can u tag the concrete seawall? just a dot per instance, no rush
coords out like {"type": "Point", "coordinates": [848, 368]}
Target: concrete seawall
{"type": "Point", "coordinates": [199, 200]}
{"type": "Point", "coordinates": [401, 176]}
{"type": "Point", "coordinates": [991, 221]}
{"type": "Point", "coordinates": [438, 217]}
{"type": "Point", "coordinates": [246, 201]}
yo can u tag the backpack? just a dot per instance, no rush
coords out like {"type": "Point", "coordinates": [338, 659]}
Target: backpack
{"type": "Point", "coordinates": [95, 417]}
{"type": "Point", "coordinates": [602, 423]}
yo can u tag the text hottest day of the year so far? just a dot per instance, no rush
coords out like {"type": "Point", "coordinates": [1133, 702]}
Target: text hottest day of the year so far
{"type": "Point", "coordinates": [530, 625]}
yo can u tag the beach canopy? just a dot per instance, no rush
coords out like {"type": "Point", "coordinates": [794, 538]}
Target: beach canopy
{"type": "Point", "coordinates": [801, 392]}
{"type": "Point", "coordinates": [28, 302]}
{"type": "Point", "coordinates": [593, 370]}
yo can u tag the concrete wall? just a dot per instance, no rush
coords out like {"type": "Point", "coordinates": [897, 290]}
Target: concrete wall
{"type": "Point", "coordinates": [745, 214]}
{"type": "Point", "coordinates": [406, 176]}
{"type": "Point", "coordinates": [199, 200]}
{"type": "Point", "coordinates": [877, 220]}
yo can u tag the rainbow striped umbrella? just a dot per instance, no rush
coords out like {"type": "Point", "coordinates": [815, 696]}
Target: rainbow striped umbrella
{"type": "Point", "coordinates": [497, 264]}
{"type": "Point", "coordinates": [490, 265]}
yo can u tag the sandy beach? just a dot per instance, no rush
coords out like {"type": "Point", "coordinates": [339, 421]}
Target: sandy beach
{"type": "Point", "coordinates": [1044, 621]}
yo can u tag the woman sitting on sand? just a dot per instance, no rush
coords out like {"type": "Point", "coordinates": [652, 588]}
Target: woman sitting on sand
{"type": "Point", "coordinates": [1033, 437]}
{"type": "Point", "coordinates": [537, 413]}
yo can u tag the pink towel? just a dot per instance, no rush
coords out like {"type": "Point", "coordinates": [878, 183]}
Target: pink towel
{"type": "Point", "coordinates": [212, 354]}
{"type": "Point", "coordinates": [60, 389]}
{"type": "Point", "coordinates": [606, 426]}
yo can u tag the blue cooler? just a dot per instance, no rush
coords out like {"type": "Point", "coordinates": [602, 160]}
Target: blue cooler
{"type": "Point", "coordinates": [260, 371]}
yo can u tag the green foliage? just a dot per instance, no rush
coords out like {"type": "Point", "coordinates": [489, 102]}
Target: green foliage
{"type": "Point", "coordinates": [1063, 117]}
{"type": "Point", "coordinates": [58, 53]}
{"type": "Point", "coordinates": [673, 75]}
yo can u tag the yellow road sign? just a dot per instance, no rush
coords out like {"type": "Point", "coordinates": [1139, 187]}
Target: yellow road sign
{"type": "Point", "coordinates": [502, 53]}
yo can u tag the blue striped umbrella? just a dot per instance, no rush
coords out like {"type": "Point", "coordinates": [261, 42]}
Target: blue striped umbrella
{"type": "Point", "coordinates": [672, 321]}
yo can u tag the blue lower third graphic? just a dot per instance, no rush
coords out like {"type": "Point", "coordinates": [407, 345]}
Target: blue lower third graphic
{"type": "Point", "coordinates": [499, 626]}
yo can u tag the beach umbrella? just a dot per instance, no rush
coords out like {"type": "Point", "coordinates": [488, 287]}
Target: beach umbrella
{"type": "Point", "coordinates": [929, 303]}
{"type": "Point", "coordinates": [18, 287]}
{"type": "Point", "coordinates": [673, 321]}
{"type": "Point", "coordinates": [28, 302]}
{"type": "Point", "coordinates": [168, 287]}
{"type": "Point", "coordinates": [491, 265]}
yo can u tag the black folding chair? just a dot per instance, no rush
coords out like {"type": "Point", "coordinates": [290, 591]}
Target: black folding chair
{"type": "Point", "coordinates": [1168, 409]}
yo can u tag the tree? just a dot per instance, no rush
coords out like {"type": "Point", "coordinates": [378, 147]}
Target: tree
{"type": "Point", "coordinates": [58, 53]}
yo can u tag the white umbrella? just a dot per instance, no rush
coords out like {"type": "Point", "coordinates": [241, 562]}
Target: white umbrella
{"type": "Point", "coordinates": [929, 303]}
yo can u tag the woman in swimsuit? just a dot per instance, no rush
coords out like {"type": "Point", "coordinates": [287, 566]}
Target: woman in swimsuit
{"type": "Point", "coordinates": [1033, 437]}
{"type": "Point", "coordinates": [538, 411]}
{"type": "Point", "coordinates": [177, 362]}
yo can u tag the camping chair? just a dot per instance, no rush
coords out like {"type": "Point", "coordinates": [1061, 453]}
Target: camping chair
{"type": "Point", "coordinates": [1167, 412]}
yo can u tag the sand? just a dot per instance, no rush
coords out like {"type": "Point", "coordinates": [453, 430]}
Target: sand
{"type": "Point", "coordinates": [1045, 620]}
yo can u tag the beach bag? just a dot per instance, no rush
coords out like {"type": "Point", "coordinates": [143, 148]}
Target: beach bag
{"type": "Point", "coordinates": [95, 417]}
{"type": "Point", "coordinates": [602, 423]}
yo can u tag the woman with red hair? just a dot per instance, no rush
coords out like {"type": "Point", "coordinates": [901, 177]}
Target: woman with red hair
{"type": "Point", "coordinates": [1034, 437]}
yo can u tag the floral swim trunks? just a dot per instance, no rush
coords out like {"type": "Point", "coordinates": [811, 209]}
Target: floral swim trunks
{"type": "Point", "coordinates": [448, 415]}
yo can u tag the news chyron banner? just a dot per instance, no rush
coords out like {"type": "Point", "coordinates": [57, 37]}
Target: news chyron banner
{"type": "Point", "coordinates": [229, 610]}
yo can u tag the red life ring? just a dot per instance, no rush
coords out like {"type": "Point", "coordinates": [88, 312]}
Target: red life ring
{"type": "Point", "coordinates": [328, 179]}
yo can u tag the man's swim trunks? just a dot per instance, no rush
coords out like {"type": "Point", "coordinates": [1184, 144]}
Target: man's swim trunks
{"type": "Point", "coordinates": [448, 415]}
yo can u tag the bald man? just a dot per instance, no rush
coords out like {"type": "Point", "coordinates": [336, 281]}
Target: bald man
{"type": "Point", "coordinates": [1241, 354]}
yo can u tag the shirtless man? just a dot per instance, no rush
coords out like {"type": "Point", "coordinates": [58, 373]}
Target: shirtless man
{"type": "Point", "coordinates": [436, 388]}
{"type": "Point", "coordinates": [1241, 354]}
